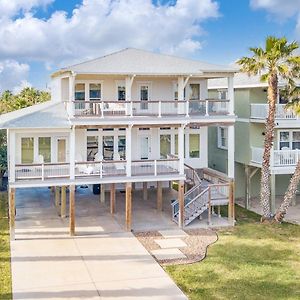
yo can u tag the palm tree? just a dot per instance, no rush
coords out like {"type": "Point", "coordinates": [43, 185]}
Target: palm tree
{"type": "Point", "coordinates": [275, 60]}
{"type": "Point", "coordinates": [293, 94]}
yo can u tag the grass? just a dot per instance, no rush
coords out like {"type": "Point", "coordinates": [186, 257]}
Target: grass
{"type": "Point", "coordinates": [249, 261]}
{"type": "Point", "coordinates": [5, 272]}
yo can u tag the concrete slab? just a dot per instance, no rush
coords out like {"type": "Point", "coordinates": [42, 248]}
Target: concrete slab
{"type": "Point", "coordinates": [101, 262]}
{"type": "Point", "coordinates": [171, 243]}
{"type": "Point", "coordinates": [164, 254]}
{"type": "Point", "coordinates": [173, 233]}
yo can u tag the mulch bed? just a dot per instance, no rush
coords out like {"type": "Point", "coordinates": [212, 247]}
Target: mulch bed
{"type": "Point", "coordinates": [197, 242]}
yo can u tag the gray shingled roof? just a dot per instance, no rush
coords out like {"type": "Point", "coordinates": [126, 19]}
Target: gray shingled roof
{"type": "Point", "coordinates": [51, 116]}
{"type": "Point", "coordinates": [134, 61]}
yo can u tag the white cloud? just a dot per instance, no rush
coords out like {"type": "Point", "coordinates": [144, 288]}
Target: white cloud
{"type": "Point", "coordinates": [13, 75]}
{"type": "Point", "coordinates": [102, 26]}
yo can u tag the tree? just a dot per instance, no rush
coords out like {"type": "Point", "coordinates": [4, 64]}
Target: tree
{"type": "Point", "coordinates": [292, 93]}
{"type": "Point", "coordinates": [275, 60]}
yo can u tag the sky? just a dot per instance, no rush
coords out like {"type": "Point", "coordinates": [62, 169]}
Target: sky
{"type": "Point", "coordinates": [40, 36]}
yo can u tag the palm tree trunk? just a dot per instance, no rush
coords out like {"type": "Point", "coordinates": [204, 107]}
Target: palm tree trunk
{"type": "Point", "coordinates": [268, 143]}
{"type": "Point", "coordinates": [289, 194]}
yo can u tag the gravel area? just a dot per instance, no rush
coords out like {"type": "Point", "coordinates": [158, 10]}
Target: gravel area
{"type": "Point", "coordinates": [197, 242]}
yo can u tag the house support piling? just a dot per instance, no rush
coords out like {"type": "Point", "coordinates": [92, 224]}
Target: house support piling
{"type": "Point", "coordinates": [72, 209]}
{"type": "Point", "coordinates": [181, 203]}
{"type": "Point", "coordinates": [145, 192]}
{"type": "Point", "coordinates": [112, 198]}
{"type": "Point", "coordinates": [57, 196]}
{"type": "Point", "coordinates": [12, 212]}
{"type": "Point", "coordinates": [63, 201]}
{"type": "Point", "coordinates": [102, 193]}
{"type": "Point", "coordinates": [128, 205]}
{"type": "Point", "coordinates": [159, 196]}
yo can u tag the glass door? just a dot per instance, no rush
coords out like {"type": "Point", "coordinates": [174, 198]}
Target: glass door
{"type": "Point", "coordinates": [61, 150]}
{"type": "Point", "coordinates": [145, 146]}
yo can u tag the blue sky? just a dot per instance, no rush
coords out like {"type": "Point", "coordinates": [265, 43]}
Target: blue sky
{"type": "Point", "coordinates": [43, 35]}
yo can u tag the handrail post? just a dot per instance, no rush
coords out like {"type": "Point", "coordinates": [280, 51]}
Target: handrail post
{"type": "Point", "coordinates": [159, 109]}
{"type": "Point", "coordinates": [155, 167]}
{"type": "Point", "coordinates": [43, 174]}
{"type": "Point", "coordinates": [187, 108]}
{"type": "Point", "coordinates": [101, 169]}
{"type": "Point", "coordinates": [209, 206]}
{"type": "Point", "coordinates": [206, 108]}
{"type": "Point", "coordinates": [131, 108]}
{"type": "Point", "coordinates": [102, 108]}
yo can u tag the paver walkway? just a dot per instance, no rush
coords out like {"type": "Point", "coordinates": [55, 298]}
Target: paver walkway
{"type": "Point", "coordinates": [101, 262]}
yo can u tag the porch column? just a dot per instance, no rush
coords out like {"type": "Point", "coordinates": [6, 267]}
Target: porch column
{"type": "Point", "coordinates": [12, 212]}
{"type": "Point", "coordinates": [230, 152]}
{"type": "Point", "coordinates": [72, 93]}
{"type": "Point", "coordinates": [273, 193]}
{"type": "Point", "coordinates": [63, 201]}
{"type": "Point", "coordinates": [159, 196]}
{"type": "Point", "coordinates": [72, 209]}
{"type": "Point", "coordinates": [145, 191]}
{"type": "Point", "coordinates": [72, 153]}
{"type": "Point", "coordinates": [128, 86]}
{"type": "Point", "coordinates": [181, 149]}
{"type": "Point", "coordinates": [181, 106]}
{"type": "Point", "coordinates": [181, 203]}
{"type": "Point", "coordinates": [11, 135]}
{"type": "Point", "coordinates": [128, 151]}
{"type": "Point", "coordinates": [230, 95]}
{"type": "Point", "coordinates": [128, 205]}
{"type": "Point", "coordinates": [112, 198]}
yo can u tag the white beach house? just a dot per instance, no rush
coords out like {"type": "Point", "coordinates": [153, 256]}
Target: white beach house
{"type": "Point", "coordinates": [126, 120]}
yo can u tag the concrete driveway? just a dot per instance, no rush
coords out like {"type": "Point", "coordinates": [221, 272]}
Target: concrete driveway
{"type": "Point", "coordinates": [101, 262]}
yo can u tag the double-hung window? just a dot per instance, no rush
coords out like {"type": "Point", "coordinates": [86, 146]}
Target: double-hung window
{"type": "Point", "coordinates": [144, 96]}
{"type": "Point", "coordinates": [223, 138]}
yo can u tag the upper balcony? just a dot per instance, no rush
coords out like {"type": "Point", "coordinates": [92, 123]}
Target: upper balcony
{"type": "Point", "coordinates": [163, 108]}
{"type": "Point", "coordinates": [260, 112]}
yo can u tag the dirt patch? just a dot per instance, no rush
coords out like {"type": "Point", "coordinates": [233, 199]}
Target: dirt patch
{"type": "Point", "coordinates": [197, 242]}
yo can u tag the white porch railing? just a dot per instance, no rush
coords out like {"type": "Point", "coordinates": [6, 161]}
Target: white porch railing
{"type": "Point", "coordinates": [260, 111]}
{"type": "Point", "coordinates": [100, 169]}
{"type": "Point", "coordinates": [107, 109]}
{"type": "Point", "coordinates": [279, 158]}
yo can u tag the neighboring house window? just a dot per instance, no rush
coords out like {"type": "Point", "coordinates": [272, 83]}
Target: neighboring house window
{"type": "Point", "coordinates": [289, 140]}
{"type": "Point", "coordinates": [108, 148]}
{"type": "Point", "coordinates": [165, 145]}
{"type": "Point", "coordinates": [27, 152]}
{"type": "Point", "coordinates": [222, 137]}
{"type": "Point", "coordinates": [122, 147]}
{"type": "Point", "coordinates": [79, 95]}
{"type": "Point", "coordinates": [222, 95]}
{"type": "Point", "coordinates": [95, 91]}
{"type": "Point", "coordinates": [144, 96]}
{"type": "Point", "coordinates": [194, 145]}
{"type": "Point", "coordinates": [121, 93]}
{"type": "Point", "coordinates": [45, 148]}
{"type": "Point", "coordinates": [282, 97]}
{"type": "Point", "coordinates": [194, 91]}
{"type": "Point", "coordinates": [92, 147]}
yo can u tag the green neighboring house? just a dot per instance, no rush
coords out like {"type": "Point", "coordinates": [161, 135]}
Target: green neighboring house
{"type": "Point", "coordinates": [251, 111]}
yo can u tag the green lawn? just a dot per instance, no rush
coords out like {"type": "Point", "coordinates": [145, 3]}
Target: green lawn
{"type": "Point", "coordinates": [250, 261]}
{"type": "Point", "coordinates": [5, 274]}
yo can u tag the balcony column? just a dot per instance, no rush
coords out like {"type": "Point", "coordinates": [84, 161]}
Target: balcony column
{"type": "Point", "coordinates": [230, 152]}
{"type": "Point", "coordinates": [181, 149]}
{"type": "Point", "coordinates": [128, 86]}
{"type": "Point", "coordinates": [128, 151]}
{"type": "Point", "coordinates": [72, 153]}
{"type": "Point", "coordinates": [181, 106]}
{"type": "Point", "coordinates": [72, 94]}
{"type": "Point", "coordinates": [230, 95]}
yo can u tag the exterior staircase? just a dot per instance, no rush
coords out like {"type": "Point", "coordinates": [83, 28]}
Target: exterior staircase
{"type": "Point", "coordinates": [203, 194]}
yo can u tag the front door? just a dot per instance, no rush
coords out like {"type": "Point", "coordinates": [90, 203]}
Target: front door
{"type": "Point", "coordinates": [145, 146]}
{"type": "Point", "coordinates": [61, 150]}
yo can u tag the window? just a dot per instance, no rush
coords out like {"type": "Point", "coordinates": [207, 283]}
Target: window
{"type": "Point", "coordinates": [108, 147]}
{"type": "Point", "coordinates": [79, 95]}
{"type": "Point", "coordinates": [121, 93]}
{"type": "Point", "coordinates": [296, 140]}
{"type": "Point", "coordinates": [222, 95]}
{"type": "Point", "coordinates": [165, 145]}
{"type": "Point", "coordinates": [195, 91]}
{"type": "Point", "coordinates": [284, 140]}
{"type": "Point", "coordinates": [222, 137]}
{"type": "Point", "coordinates": [282, 97]}
{"type": "Point", "coordinates": [95, 91]}
{"type": "Point", "coordinates": [27, 153]}
{"type": "Point", "coordinates": [92, 147]}
{"type": "Point", "coordinates": [194, 146]}
{"type": "Point", "coordinates": [122, 147]}
{"type": "Point", "coordinates": [176, 144]}
{"type": "Point", "coordinates": [144, 96]}
{"type": "Point", "coordinates": [45, 148]}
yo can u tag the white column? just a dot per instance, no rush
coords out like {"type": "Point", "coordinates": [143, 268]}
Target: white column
{"type": "Point", "coordinates": [11, 155]}
{"type": "Point", "coordinates": [181, 106]}
{"type": "Point", "coordinates": [128, 150]}
{"type": "Point", "coordinates": [231, 95]}
{"type": "Point", "coordinates": [204, 146]}
{"type": "Point", "coordinates": [71, 94]}
{"type": "Point", "coordinates": [181, 149]}
{"type": "Point", "coordinates": [128, 97]}
{"type": "Point", "coordinates": [72, 153]}
{"type": "Point", "coordinates": [230, 151]}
